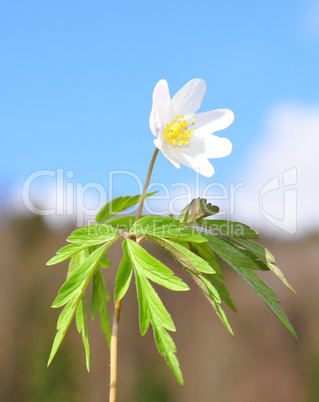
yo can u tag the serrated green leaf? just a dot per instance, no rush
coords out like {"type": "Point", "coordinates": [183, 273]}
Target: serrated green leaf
{"type": "Point", "coordinates": [96, 295]}
{"type": "Point", "coordinates": [213, 297]}
{"type": "Point", "coordinates": [118, 205]}
{"type": "Point", "coordinates": [263, 290]}
{"type": "Point", "coordinates": [76, 260]}
{"type": "Point", "coordinates": [123, 277]}
{"type": "Point", "coordinates": [152, 310]}
{"type": "Point", "coordinates": [64, 298]}
{"type": "Point", "coordinates": [93, 234]}
{"type": "Point", "coordinates": [105, 261]}
{"type": "Point", "coordinates": [266, 257]}
{"type": "Point", "coordinates": [123, 223]}
{"type": "Point", "coordinates": [81, 324]}
{"type": "Point", "coordinates": [82, 275]}
{"type": "Point", "coordinates": [76, 284]}
{"type": "Point", "coordinates": [228, 228]}
{"type": "Point", "coordinates": [205, 252]}
{"type": "Point", "coordinates": [159, 314]}
{"type": "Point", "coordinates": [183, 255]}
{"type": "Point", "coordinates": [105, 323]}
{"type": "Point", "coordinates": [144, 311]}
{"type": "Point", "coordinates": [97, 238]}
{"type": "Point", "coordinates": [64, 253]}
{"type": "Point", "coordinates": [64, 321]}
{"type": "Point", "coordinates": [100, 295]}
{"type": "Point", "coordinates": [151, 267]}
{"type": "Point", "coordinates": [197, 209]}
{"type": "Point", "coordinates": [166, 228]}
{"type": "Point", "coordinates": [73, 264]}
{"type": "Point", "coordinates": [236, 253]}
{"type": "Point", "coordinates": [79, 316]}
{"type": "Point", "coordinates": [222, 290]}
{"type": "Point", "coordinates": [65, 316]}
{"type": "Point", "coordinates": [167, 348]}
{"type": "Point", "coordinates": [56, 344]}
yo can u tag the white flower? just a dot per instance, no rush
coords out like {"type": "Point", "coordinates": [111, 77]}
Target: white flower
{"type": "Point", "coordinates": [184, 136]}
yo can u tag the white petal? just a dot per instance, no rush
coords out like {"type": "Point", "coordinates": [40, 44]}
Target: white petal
{"type": "Point", "coordinates": [209, 122]}
{"type": "Point", "coordinates": [161, 100]}
{"type": "Point", "coordinates": [217, 147]}
{"type": "Point", "coordinates": [188, 99]}
{"type": "Point", "coordinates": [166, 152]}
{"type": "Point", "coordinates": [195, 148]}
{"type": "Point", "coordinates": [199, 164]}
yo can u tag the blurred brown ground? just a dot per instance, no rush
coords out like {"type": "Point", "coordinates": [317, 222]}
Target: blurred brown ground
{"type": "Point", "coordinates": [261, 363]}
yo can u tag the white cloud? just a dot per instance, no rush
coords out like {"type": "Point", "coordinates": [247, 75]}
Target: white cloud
{"type": "Point", "coordinates": [52, 195]}
{"type": "Point", "coordinates": [281, 192]}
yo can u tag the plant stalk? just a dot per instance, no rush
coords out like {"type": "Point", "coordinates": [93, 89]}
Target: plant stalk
{"type": "Point", "coordinates": [113, 358]}
{"type": "Point", "coordinates": [118, 304]}
{"type": "Point", "coordinates": [147, 182]}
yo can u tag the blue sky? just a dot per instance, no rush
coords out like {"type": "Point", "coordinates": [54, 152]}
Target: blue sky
{"type": "Point", "coordinates": [77, 78]}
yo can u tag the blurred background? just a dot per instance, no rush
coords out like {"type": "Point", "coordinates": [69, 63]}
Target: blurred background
{"type": "Point", "coordinates": [76, 83]}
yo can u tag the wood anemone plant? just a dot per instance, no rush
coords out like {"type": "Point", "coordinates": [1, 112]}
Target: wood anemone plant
{"type": "Point", "coordinates": [194, 240]}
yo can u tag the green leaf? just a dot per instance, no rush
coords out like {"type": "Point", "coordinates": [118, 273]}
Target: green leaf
{"type": "Point", "coordinates": [237, 254]}
{"type": "Point", "coordinates": [123, 223]}
{"type": "Point", "coordinates": [158, 312]}
{"type": "Point", "coordinates": [93, 234]}
{"type": "Point", "coordinates": [144, 311]}
{"type": "Point", "coordinates": [90, 236]}
{"type": "Point", "coordinates": [76, 261]}
{"type": "Point", "coordinates": [183, 255]}
{"type": "Point", "coordinates": [220, 246]}
{"type": "Point", "coordinates": [152, 268]}
{"type": "Point", "coordinates": [197, 209]}
{"type": "Point", "coordinates": [117, 205]}
{"type": "Point", "coordinates": [71, 293]}
{"type": "Point", "coordinates": [266, 257]}
{"type": "Point", "coordinates": [166, 228]}
{"type": "Point", "coordinates": [104, 261]}
{"type": "Point", "coordinates": [123, 277]}
{"type": "Point", "coordinates": [152, 310]}
{"type": "Point", "coordinates": [100, 296]}
{"type": "Point", "coordinates": [81, 323]}
{"type": "Point", "coordinates": [166, 347]}
{"type": "Point", "coordinates": [82, 275]}
{"type": "Point", "coordinates": [213, 297]}
{"type": "Point", "coordinates": [64, 253]}
{"type": "Point", "coordinates": [205, 252]}
{"type": "Point", "coordinates": [228, 228]}
{"type": "Point", "coordinates": [222, 290]}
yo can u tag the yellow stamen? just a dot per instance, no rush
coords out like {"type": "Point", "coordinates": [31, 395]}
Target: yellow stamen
{"type": "Point", "coordinates": [177, 132]}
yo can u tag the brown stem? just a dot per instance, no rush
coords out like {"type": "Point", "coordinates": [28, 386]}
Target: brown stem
{"type": "Point", "coordinates": [118, 304]}
{"type": "Point", "coordinates": [113, 357]}
{"type": "Point", "coordinates": [147, 182]}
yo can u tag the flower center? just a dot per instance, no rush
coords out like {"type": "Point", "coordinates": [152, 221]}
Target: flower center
{"type": "Point", "coordinates": [177, 131]}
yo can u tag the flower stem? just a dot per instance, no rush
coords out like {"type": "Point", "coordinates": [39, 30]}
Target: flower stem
{"type": "Point", "coordinates": [118, 304]}
{"type": "Point", "coordinates": [113, 358]}
{"type": "Point", "coordinates": [147, 182]}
